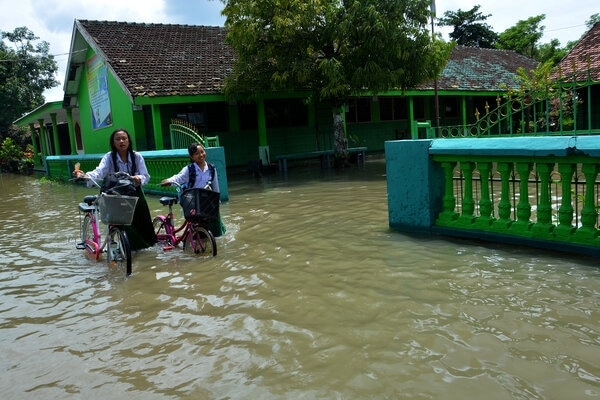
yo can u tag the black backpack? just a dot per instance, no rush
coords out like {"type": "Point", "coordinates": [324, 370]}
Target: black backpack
{"type": "Point", "coordinates": [118, 183]}
{"type": "Point", "coordinates": [192, 174]}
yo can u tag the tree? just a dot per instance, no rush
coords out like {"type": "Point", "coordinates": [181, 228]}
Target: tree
{"type": "Point", "coordinates": [333, 49]}
{"type": "Point", "coordinates": [551, 52]}
{"type": "Point", "coordinates": [523, 37]}
{"type": "Point", "coordinates": [554, 103]}
{"type": "Point", "coordinates": [25, 72]}
{"type": "Point", "coordinates": [469, 28]}
{"type": "Point", "coordinates": [592, 21]}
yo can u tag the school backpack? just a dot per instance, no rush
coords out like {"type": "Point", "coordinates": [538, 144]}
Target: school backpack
{"type": "Point", "coordinates": [192, 174]}
{"type": "Point", "coordinates": [118, 183]}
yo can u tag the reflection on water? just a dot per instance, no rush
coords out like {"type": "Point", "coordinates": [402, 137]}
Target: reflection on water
{"type": "Point", "coordinates": [311, 296]}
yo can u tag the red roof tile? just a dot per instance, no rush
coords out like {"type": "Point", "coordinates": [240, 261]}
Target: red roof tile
{"type": "Point", "coordinates": [163, 60]}
{"type": "Point", "coordinates": [166, 60]}
{"type": "Point", "coordinates": [583, 56]}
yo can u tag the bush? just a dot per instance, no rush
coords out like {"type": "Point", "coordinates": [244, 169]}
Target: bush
{"type": "Point", "coordinates": [12, 157]}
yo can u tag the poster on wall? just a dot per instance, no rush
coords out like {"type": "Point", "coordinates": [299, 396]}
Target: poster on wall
{"type": "Point", "coordinates": [97, 80]}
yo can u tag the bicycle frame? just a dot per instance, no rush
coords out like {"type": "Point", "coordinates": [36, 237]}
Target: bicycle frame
{"type": "Point", "coordinates": [93, 245]}
{"type": "Point", "coordinates": [200, 239]}
{"type": "Point", "coordinates": [115, 241]}
{"type": "Point", "coordinates": [172, 235]}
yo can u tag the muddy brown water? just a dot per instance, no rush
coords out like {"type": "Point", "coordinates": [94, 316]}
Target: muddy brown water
{"type": "Point", "coordinates": [310, 297]}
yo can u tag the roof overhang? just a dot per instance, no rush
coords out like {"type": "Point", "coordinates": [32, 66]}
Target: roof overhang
{"type": "Point", "coordinates": [44, 114]}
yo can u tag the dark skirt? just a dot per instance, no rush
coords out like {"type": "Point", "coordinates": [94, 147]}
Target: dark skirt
{"type": "Point", "coordinates": [141, 232]}
{"type": "Point", "coordinates": [217, 228]}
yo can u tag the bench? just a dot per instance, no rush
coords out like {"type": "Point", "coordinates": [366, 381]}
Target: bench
{"type": "Point", "coordinates": [325, 155]}
{"type": "Point", "coordinates": [361, 153]}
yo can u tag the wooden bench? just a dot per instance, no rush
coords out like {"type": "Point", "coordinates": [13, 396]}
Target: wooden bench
{"type": "Point", "coordinates": [325, 155]}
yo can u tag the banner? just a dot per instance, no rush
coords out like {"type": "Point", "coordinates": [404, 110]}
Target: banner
{"type": "Point", "coordinates": [97, 81]}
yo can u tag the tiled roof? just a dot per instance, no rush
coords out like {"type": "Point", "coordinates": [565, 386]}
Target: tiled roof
{"type": "Point", "coordinates": [166, 60]}
{"type": "Point", "coordinates": [477, 69]}
{"type": "Point", "coordinates": [586, 50]}
{"type": "Point", "coordinates": [163, 60]}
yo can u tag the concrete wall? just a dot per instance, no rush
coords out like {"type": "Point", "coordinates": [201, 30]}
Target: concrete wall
{"type": "Point", "coordinates": [415, 185]}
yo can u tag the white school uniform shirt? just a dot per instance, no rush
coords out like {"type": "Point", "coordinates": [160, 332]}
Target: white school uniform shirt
{"type": "Point", "coordinates": [106, 166]}
{"type": "Point", "coordinates": [203, 176]}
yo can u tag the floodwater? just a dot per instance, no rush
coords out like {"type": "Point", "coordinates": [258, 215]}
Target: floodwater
{"type": "Point", "coordinates": [311, 296]}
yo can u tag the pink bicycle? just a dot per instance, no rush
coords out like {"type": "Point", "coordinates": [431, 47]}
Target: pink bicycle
{"type": "Point", "coordinates": [199, 206]}
{"type": "Point", "coordinates": [115, 211]}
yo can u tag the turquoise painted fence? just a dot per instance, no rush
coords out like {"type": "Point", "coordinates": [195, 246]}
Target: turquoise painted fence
{"type": "Point", "coordinates": [537, 191]}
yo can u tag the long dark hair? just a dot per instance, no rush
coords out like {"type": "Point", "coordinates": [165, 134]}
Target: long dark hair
{"type": "Point", "coordinates": [130, 151]}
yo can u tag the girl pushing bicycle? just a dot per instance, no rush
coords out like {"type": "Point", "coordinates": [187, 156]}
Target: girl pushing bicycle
{"type": "Point", "coordinates": [121, 157]}
{"type": "Point", "coordinates": [198, 174]}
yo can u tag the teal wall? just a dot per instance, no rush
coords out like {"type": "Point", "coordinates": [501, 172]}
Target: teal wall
{"type": "Point", "coordinates": [415, 185]}
{"type": "Point", "coordinates": [544, 193]}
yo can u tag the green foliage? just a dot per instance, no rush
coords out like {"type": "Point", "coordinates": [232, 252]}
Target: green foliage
{"type": "Point", "coordinates": [556, 103]}
{"type": "Point", "coordinates": [551, 52]}
{"type": "Point", "coordinates": [330, 48]}
{"type": "Point", "coordinates": [26, 71]}
{"type": "Point", "coordinates": [523, 37]}
{"type": "Point", "coordinates": [14, 159]}
{"type": "Point", "coordinates": [594, 18]}
{"type": "Point", "coordinates": [469, 28]}
{"type": "Point", "coordinates": [10, 155]}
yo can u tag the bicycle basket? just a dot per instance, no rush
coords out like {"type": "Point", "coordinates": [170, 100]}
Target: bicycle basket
{"type": "Point", "coordinates": [200, 204]}
{"type": "Point", "coordinates": [116, 209]}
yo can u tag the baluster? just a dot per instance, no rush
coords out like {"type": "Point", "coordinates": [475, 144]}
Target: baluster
{"type": "Point", "coordinates": [468, 204]}
{"type": "Point", "coordinates": [523, 224]}
{"type": "Point", "coordinates": [448, 215]}
{"type": "Point", "coordinates": [565, 229]}
{"type": "Point", "coordinates": [504, 206]}
{"type": "Point", "coordinates": [589, 214]}
{"type": "Point", "coordinates": [544, 226]}
{"type": "Point", "coordinates": [485, 218]}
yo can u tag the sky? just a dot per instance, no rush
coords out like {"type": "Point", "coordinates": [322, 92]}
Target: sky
{"type": "Point", "coordinates": [52, 21]}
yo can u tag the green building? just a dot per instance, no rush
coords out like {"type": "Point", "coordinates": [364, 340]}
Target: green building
{"type": "Point", "coordinates": [147, 77]}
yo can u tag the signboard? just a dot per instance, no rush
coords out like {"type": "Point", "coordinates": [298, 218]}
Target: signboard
{"type": "Point", "coordinates": [97, 81]}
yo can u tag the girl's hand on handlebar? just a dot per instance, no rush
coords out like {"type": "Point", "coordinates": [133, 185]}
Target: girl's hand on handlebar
{"type": "Point", "coordinates": [165, 182]}
{"type": "Point", "coordinates": [79, 174]}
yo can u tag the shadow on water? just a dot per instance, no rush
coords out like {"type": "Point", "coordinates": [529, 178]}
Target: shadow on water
{"type": "Point", "coordinates": [311, 296]}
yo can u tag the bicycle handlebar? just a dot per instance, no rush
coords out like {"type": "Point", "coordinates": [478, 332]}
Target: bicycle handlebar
{"type": "Point", "coordinates": [86, 177]}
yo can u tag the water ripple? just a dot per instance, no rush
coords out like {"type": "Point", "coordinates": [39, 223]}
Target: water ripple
{"type": "Point", "coordinates": [311, 296]}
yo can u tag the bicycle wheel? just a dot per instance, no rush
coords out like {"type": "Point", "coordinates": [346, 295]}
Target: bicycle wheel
{"type": "Point", "coordinates": [87, 237]}
{"type": "Point", "coordinates": [161, 230]}
{"type": "Point", "coordinates": [118, 250]}
{"type": "Point", "coordinates": [203, 241]}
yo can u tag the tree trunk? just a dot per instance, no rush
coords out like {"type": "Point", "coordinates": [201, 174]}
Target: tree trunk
{"type": "Point", "coordinates": [341, 143]}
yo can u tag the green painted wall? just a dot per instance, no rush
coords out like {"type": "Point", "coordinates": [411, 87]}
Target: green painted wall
{"type": "Point", "coordinates": [97, 141]}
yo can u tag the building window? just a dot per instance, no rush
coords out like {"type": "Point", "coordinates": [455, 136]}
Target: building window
{"type": "Point", "coordinates": [205, 117]}
{"type": "Point", "coordinates": [451, 109]}
{"type": "Point", "coordinates": [282, 113]}
{"type": "Point", "coordinates": [393, 108]}
{"type": "Point", "coordinates": [359, 110]}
